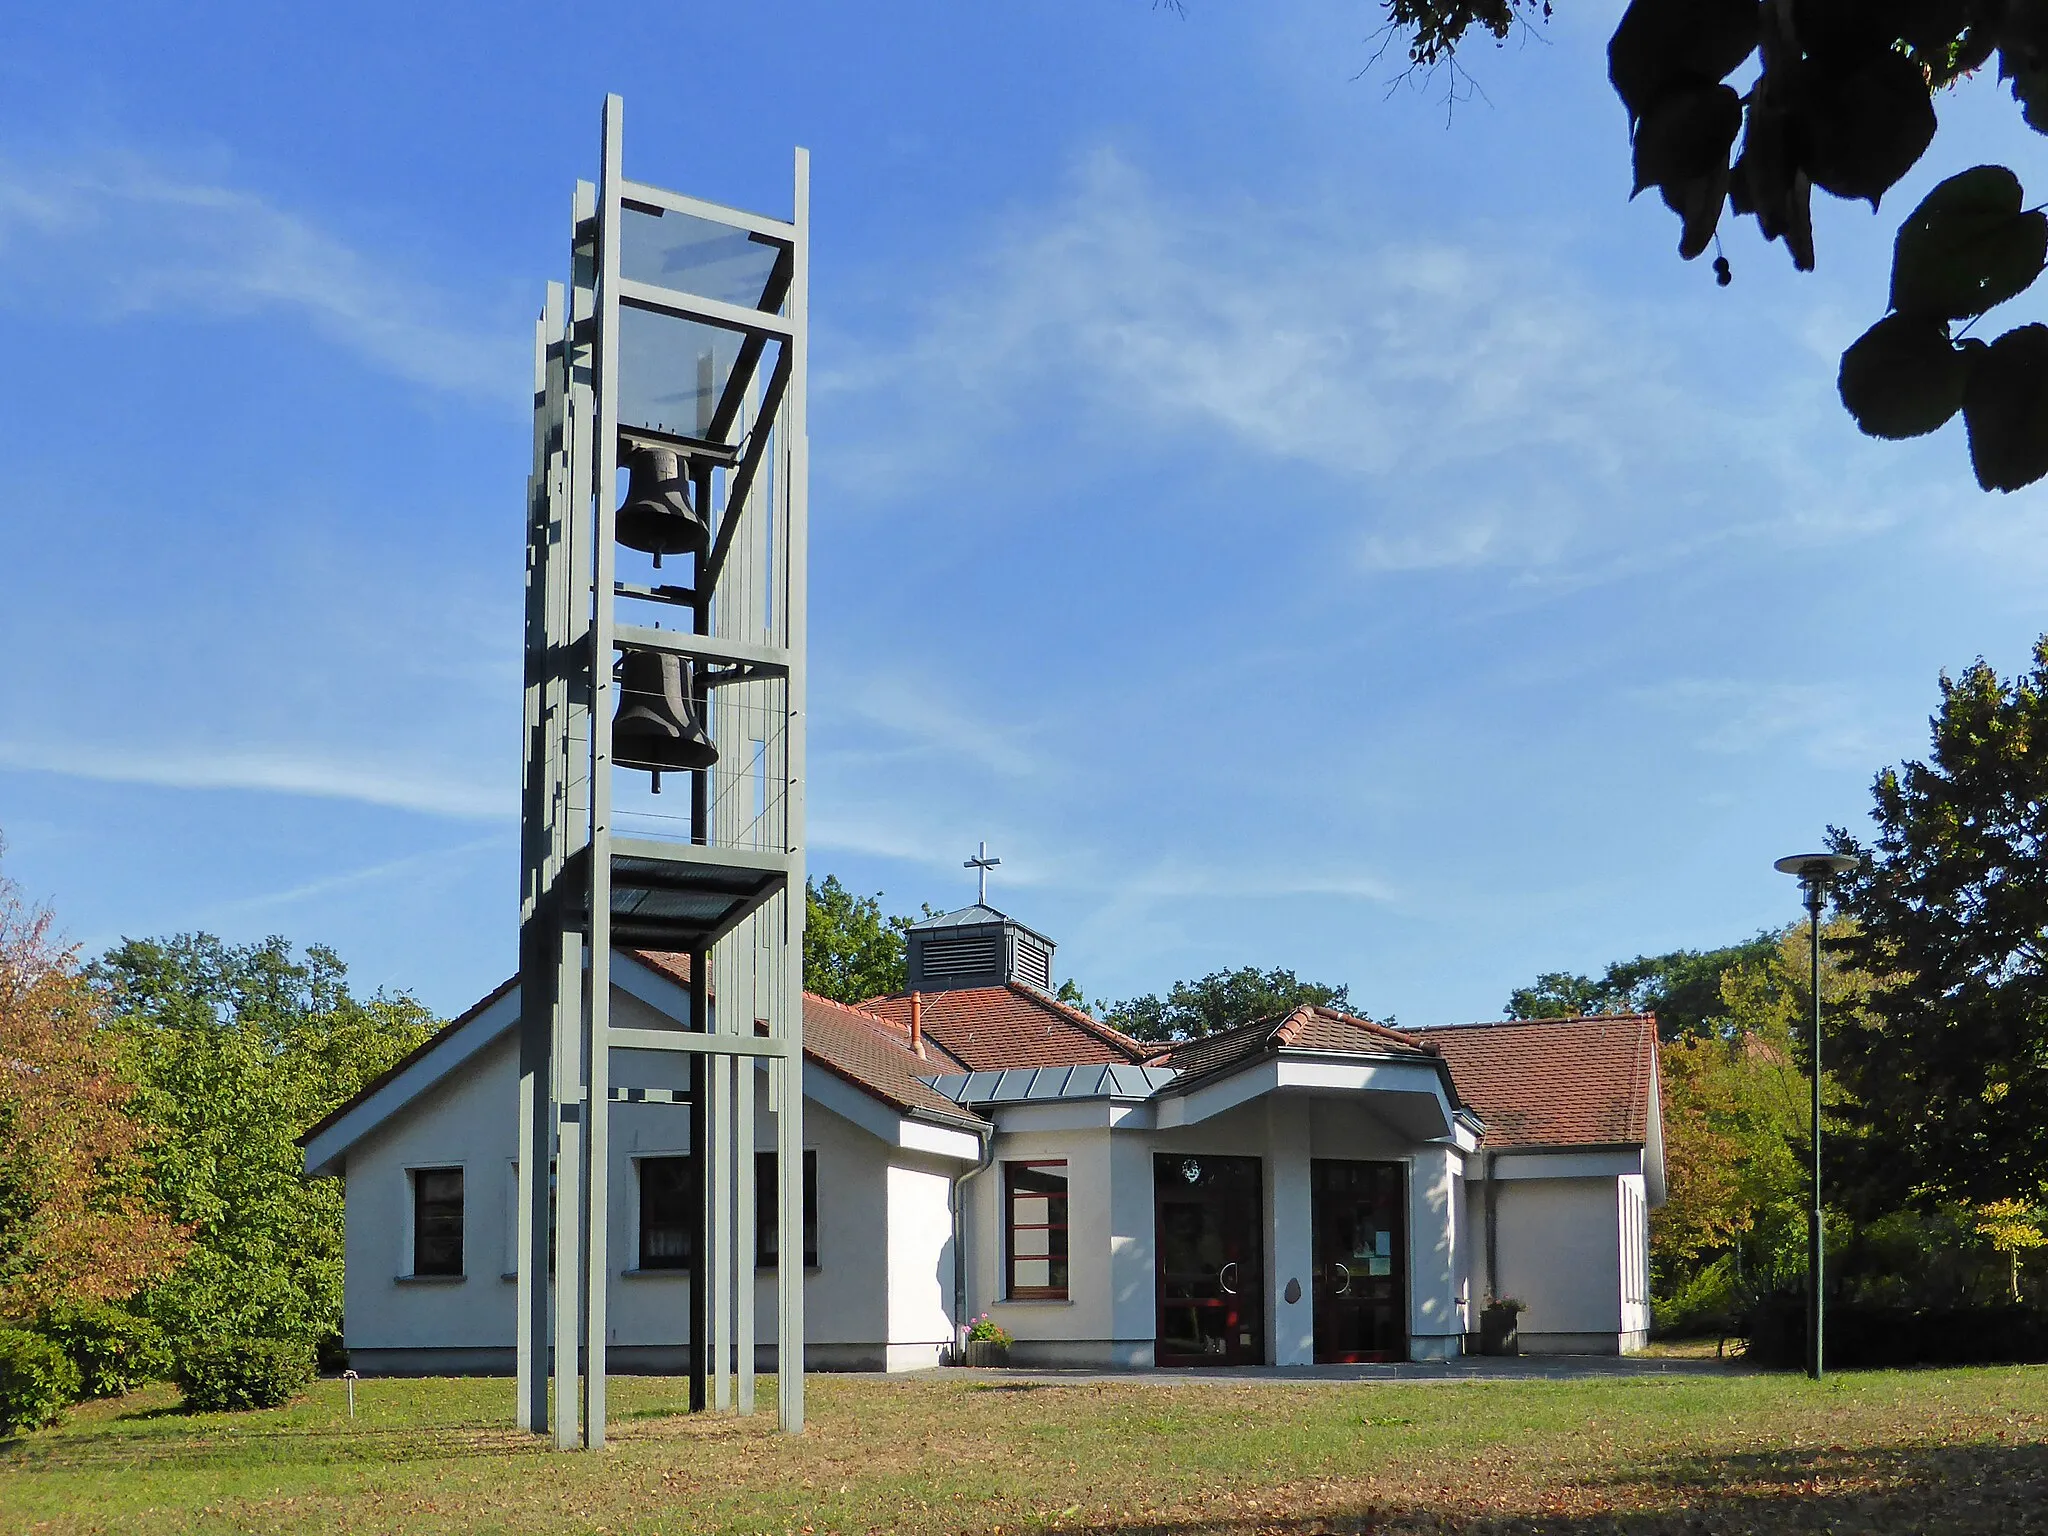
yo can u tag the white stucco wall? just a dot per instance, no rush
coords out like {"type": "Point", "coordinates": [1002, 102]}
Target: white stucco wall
{"type": "Point", "coordinates": [882, 1294]}
{"type": "Point", "coordinates": [1290, 1237]}
{"type": "Point", "coordinates": [1572, 1241]}
{"type": "Point", "coordinates": [1633, 1193]}
{"type": "Point", "coordinates": [1082, 1329]}
{"type": "Point", "coordinates": [1559, 1251]}
{"type": "Point", "coordinates": [920, 1261]}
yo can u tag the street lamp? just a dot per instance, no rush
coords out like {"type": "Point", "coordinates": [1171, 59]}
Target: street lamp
{"type": "Point", "coordinates": [1816, 872]}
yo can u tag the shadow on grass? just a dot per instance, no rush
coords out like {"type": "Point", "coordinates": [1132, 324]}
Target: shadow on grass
{"type": "Point", "coordinates": [1943, 1491]}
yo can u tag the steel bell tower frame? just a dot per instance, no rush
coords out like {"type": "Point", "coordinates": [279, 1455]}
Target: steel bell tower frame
{"type": "Point", "coordinates": [682, 334]}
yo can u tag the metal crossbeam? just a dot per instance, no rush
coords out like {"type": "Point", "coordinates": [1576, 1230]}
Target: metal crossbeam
{"type": "Point", "coordinates": [701, 1045]}
{"type": "Point", "coordinates": [717, 213]}
{"type": "Point", "coordinates": [772, 660]}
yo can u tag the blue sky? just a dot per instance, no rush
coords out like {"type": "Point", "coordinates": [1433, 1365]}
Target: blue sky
{"type": "Point", "coordinates": [1294, 523]}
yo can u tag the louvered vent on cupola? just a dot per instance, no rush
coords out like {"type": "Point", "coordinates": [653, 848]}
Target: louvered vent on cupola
{"type": "Point", "coordinates": [971, 956]}
{"type": "Point", "coordinates": [1033, 962]}
{"type": "Point", "coordinates": [977, 947]}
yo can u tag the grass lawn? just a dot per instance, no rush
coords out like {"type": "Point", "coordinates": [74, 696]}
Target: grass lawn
{"type": "Point", "coordinates": [1944, 1451]}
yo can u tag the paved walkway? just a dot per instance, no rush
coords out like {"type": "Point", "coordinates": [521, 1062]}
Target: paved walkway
{"type": "Point", "coordinates": [1469, 1368]}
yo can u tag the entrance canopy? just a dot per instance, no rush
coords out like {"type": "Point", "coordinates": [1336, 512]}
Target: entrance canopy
{"type": "Point", "coordinates": [1311, 1052]}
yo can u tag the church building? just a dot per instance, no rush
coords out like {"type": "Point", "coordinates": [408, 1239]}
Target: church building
{"type": "Point", "coordinates": [1309, 1189]}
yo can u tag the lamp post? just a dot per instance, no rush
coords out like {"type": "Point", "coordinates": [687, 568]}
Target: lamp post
{"type": "Point", "coordinates": [1816, 872]}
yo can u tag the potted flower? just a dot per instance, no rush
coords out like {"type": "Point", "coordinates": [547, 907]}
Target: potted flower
{"type": "Point", "coordinates": [988, 1343]}
{"type": "Point", "coordinates": [1499, 1333]}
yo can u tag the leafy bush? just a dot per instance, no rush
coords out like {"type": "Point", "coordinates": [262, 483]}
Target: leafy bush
{"type": "Point", "coordinates": [330, 1354]}
{"type": "Point", "coordinates": [1708, 1303]}
{"type": "Point", "coordinates": [37, 1381]}
{"type": "Point", "coordinates": [219, 1375]}
{"type": "Point", "coordinates": [115, 1351]}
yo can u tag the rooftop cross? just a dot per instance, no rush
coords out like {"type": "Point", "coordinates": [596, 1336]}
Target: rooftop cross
{"type": "Point", "coordinates": [981, 863]}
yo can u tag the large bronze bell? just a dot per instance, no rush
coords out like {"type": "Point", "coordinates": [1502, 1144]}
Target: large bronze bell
{"type": "Point", "coordinates": [656, 726]}
{"type": "Point", "coordinates": [657, 516]}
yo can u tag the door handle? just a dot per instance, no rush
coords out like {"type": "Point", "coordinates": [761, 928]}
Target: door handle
{"type": "Point", "coordinates": [1343, 1278]}
{"type": "Point", "coordinates": [1226, 1277]}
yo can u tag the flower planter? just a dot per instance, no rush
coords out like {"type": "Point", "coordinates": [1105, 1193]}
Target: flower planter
{"type": "Point", "coordinates": [984, 1352]}
{"type": "Point", "coordinates": [1498, 1333]}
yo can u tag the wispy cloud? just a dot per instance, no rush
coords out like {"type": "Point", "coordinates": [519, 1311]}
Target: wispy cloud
{"type": "Point", "coordinates": [116, 234]}
{"type": "Point", "coordinates": [914, 715]}
{"type": "Point", "coordinates": [275, 772]}
{"type": "Point", "coordinates": [1734, 717]}
{"type": "Point", "coordinates": [354, 879]}
{"type": "Point", "coordinates": [1469, 396]}
{"type": "Point", "coordinates": [885, 830]}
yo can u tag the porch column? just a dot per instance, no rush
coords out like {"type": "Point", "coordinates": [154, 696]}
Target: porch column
{"type": "Point", "coordinates": [1289, 1238]}
{"type": "Point", "coordinates": [1435, 1325]}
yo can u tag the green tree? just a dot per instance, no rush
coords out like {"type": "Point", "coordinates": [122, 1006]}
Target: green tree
{"type": "Point", "coordinates": [1842, 100]}
{"type": "Point", "coordinates": [1683, 988]}
{"type": "Point", "coordinates": [235, 1050]}
{"type": "Point", "coordinates": [1948, 1062]}
{"type": "Point", "coordinates": [2013, 1228]}
{"type": "Point", "coordinates": [851, 950]}
{"type": "Point", "coordinates": [1218, 1001]}
{"type": "Point", "coordinates": [1737, 1109]}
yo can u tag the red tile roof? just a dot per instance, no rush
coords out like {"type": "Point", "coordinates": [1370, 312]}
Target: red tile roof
{"type": "Point", "coordinates": [869, 1051]}
{"type": "Point", "coordinates": [872, 1054]}
{"type": "Point", "coordinates": [1556, 1082]}
{"type": "Point", "coordinates": [1305, 1029]}
{"type": "Point", "coordinates": [987, 1029]}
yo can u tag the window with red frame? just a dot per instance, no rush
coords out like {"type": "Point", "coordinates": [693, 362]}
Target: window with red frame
{"type": "Point", "coordinates": [1035, 1199]}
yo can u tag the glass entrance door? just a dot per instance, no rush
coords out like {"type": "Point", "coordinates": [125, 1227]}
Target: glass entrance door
{"type": "Point", "coordinates": [1211, 1259]}
{"type": "Point", "coordinates": [1359, 1212]}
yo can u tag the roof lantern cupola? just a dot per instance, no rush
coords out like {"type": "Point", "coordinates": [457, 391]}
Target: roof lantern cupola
{"type": "Point", "coordinates": [977, 946]}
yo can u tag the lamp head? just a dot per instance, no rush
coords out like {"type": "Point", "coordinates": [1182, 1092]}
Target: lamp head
{"type": "Point", "coordinates": [1817, 871]}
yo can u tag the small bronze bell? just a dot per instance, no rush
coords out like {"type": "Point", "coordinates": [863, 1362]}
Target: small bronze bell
{"type": "Point", "coordinates": [656, 726]}
{"type": "Point", "coordinates": [657, 516]}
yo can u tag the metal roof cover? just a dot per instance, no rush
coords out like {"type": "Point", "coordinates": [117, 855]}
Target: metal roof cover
{"type": "Point", "coordinates": [973, 917]}
{"type": "Point", "coordinates": [1039, 1085]}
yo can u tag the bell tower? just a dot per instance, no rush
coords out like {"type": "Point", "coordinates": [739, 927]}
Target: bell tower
{"type": "Point", "coordinates": [663, 789]}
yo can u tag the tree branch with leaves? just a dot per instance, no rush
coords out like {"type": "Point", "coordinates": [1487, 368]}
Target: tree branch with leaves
{"type": "Point", "coordinates": [1840, 98]}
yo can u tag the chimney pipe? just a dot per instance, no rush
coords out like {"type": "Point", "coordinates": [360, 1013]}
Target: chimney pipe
{"type": "Point", "coordinates": [917, 1023]}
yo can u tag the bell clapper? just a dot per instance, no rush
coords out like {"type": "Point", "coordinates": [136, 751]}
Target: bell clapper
{"type": "Point", "coordinates": [657, 780]}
